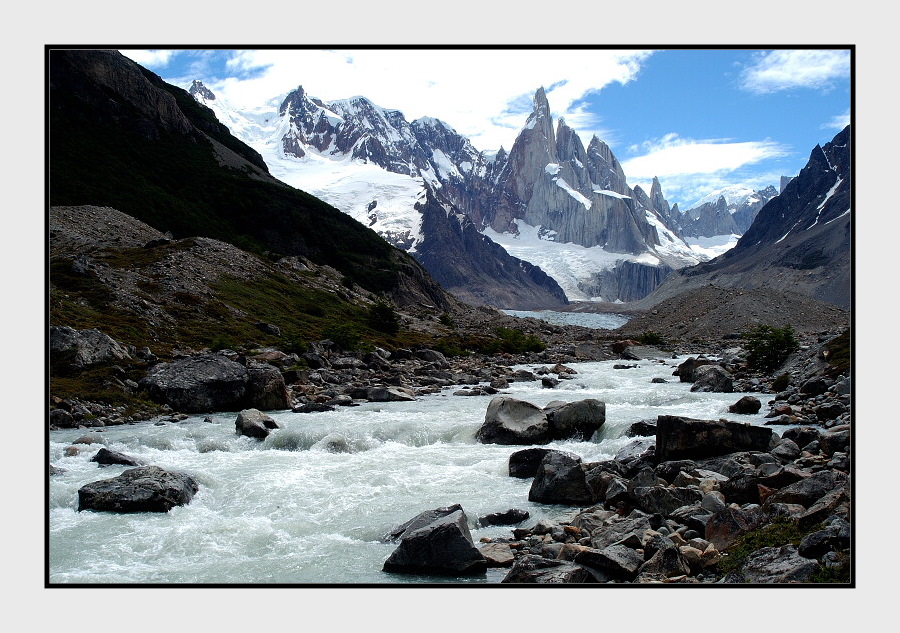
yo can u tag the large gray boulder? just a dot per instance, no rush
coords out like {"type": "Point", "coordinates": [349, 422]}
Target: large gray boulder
{"type": "Point", "coordinates": [440, 546]}
{"type": "Point", "coordinates": [388, 394]}
{"type": "Point", "coordinates": [689, 438]}
{"type": "Point", "coordinates": [254, 423]}
{"type": "Point", "coordinates": [725, 526]}
{"type": "Point", "coordinates": [143, 489]}
{"type": "Point", "coordinates": [575, 420]}
{"type": "Point", "coordinates": [533, 569]}
{"type": "Point", "coordinates": [560, 478]}
{"type": "Point", "coordinates": [619, 561]}
{"type": "Point", "coordinates": [199, 384]}
{"type": "Point", "coordinates": [266, 389]}
{"type": "Point", "coordinates": [686, 371]}
{"type": "Point", "coordinates": [777, 565]}
{"type": "Point", "coordinates": [433, 356]}
{"type": "Point", "coordinates": [83, 348]}
{"type": "Point", "coordinates": [712, 378]}
{"type": "Point", "coordinates": [808, 491]}
{"type": "Point", "coordinates": [524, 463]}
{"type": "Point", "coordinates": [511, 421]}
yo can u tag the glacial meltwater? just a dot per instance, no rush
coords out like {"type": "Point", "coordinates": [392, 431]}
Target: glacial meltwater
{"type": "Point", "coordinates": [286, 510]}
{"type": "Point", "coordinates": [596, 320]}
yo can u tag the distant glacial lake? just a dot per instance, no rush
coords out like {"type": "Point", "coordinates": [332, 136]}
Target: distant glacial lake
{"type": "Point", "coordinates": [596, 320]}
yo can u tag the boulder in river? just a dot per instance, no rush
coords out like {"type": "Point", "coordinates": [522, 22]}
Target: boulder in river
{"type": "Point", "coordinates": [560, 478]}
{"type": "Point", "coordinates": [712, 378]}
{"type": "Point", "coordinates": [142, 489]}
{"type": "Point", "coordinates": [512, 421]}
{"type": "Point", "coordinates": [440, 546]}
{"type": "Point", "coordinates": [746, 405]}
{"type": "Point", "coordinates": [524, 463]}
{"type": "Point", "coordinates": [106, 457]}
{"type": "Point", "coordinates": [575, 420]}
{"type": "Point", "coordinates": [516, 422]}
{"type": "Point", "coordinates": [254, 423]}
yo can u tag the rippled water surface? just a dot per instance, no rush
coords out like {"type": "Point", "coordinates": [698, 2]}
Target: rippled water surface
{"type": "Point", "coordinates": [286, 510]}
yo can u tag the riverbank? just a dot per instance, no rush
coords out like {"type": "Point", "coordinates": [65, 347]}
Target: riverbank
{"type": "Point", "coordinates": [282, 482]}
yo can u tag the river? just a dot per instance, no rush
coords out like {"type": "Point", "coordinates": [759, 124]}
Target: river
{"type": "Point", "coordinates": [286, 511]}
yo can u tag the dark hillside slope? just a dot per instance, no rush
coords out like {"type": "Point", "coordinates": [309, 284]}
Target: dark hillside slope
{"type": "Point", "coordinates": [121, 137]}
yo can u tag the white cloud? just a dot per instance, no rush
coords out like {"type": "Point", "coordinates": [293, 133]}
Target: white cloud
{"type": "Point", "coordinates": [786, 69]}
{"type": "Point", "coordinates": [483, 94]}
{"type": "Point", "coordinates": [838, 122]}
{"type": "Point", "coordinates": [150, 57]}
{"type": "Point", "coordinates": [689, 169]}
{"type": "Point", "coordinates": [672, 156]}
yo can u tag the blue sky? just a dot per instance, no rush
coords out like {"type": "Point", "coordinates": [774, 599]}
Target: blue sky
{"type": "Point", "coordinates": [698, 119]}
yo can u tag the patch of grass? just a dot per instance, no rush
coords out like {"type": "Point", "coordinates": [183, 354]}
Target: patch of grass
{"type": "Point", "coordinates": [839, 356]}
{"type": "Point", "coordinates": [515, 341]}
{"type": "Point", "coordinates": [778, 533]}
{"type": "Point", "coordinates": [99, 384]}
{"type": "Point", "coordinates": [509, 340]}
{"type": "Point", "coordinates": [833, 575]}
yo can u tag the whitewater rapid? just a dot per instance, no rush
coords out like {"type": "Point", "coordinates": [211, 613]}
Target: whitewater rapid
{"type": "Point", "coordinates": [288, 511]}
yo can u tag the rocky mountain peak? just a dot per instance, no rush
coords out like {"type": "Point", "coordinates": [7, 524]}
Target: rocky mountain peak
{"type": "Point", "coordinates": [541, 104]}
{"type": "Point", "coordinates": [199, 91]}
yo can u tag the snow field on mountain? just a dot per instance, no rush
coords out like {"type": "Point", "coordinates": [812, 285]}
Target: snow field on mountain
{"type": "Point", "coordinates": [712, 247]}
{"type": "Point", "coordinates": [351, 186]}
{"type": "Point", "coordinates": [567, 263]}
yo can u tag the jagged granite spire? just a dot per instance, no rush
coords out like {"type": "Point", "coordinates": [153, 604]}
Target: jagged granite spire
{"type": "Point", "coordinates": [199, 91]}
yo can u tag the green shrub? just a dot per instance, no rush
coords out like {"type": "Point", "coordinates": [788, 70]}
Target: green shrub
{"type": "Point", "coordinates": [651, 338]}
{"type": "Point", "coordinates": [345, 335]}
{"type": "Point", "coordinates": [768, 347]}
{"type": "Point", "coordinates": [779, 532]}
{"type": "Point", "coordinates": [449, 347]}
{"type": "Point", "coordinates": [514, 341]}
{"type": "Point", "coordinates": [447, 319]}
{"type": "Point", "coordinates": [219, 342]}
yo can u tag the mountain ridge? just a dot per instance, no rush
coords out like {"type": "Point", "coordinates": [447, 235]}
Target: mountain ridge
{"type": "Point", "coordinates": [547, 180]}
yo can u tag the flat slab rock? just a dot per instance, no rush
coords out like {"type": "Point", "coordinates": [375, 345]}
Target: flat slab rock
{"type": "Point", "coordinates": [142, 489]}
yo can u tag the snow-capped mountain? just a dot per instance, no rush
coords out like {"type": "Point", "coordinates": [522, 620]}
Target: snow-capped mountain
{"type": "Point", "coordinates": [728, 211]}
{"type": "Point", "coordinates": [548, 201]}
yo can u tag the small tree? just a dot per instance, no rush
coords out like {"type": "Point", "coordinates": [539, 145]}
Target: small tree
{"type": "Point", "coordinates": [768, 347]}
{"type": "Point", "coordinates": [383, 317]}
